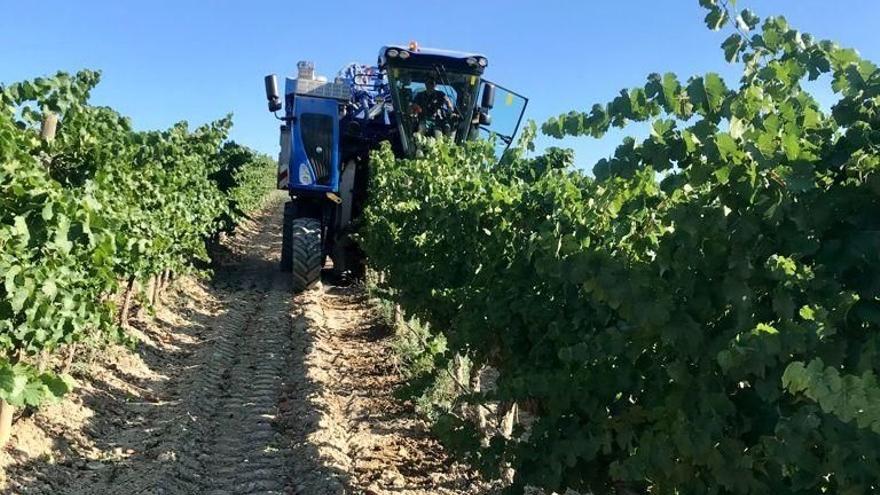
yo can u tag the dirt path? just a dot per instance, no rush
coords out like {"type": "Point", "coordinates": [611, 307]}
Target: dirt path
{"type": "Point", "coordinates": [238, 388]}
{"type": "Point", "coordinates": [367, 442]}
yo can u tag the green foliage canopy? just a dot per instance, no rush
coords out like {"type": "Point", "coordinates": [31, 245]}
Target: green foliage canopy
{"type": "Point", "coordinates": [97, 205]}
{"type": "Point", "coordinates": [699, 317]}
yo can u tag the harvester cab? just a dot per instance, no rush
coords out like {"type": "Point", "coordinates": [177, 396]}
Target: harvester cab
{"type": "Point", "coordinates": [440, 92]}
{"type": "Point", "coordinates": [329, 128]}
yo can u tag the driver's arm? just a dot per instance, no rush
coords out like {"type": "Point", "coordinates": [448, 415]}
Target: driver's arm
{"type": "Point", "coordinates": [448, 102]}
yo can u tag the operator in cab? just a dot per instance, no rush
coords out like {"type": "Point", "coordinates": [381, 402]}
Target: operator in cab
{"type": "Point", "coordinates": [433, 109]}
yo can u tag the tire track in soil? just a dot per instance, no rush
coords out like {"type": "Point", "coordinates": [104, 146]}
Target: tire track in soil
{"type": "Point", "coordinates": [222, 438]}
{"type": "Point", "coordinates": [235, 450]}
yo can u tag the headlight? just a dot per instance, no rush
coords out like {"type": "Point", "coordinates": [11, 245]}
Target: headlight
{"type": "Point", "coordinates": [392, 53]}
{"type": "Point", "coordinates": [404, 55]}
{"type": "Point", "coordinates": [483, 62]}
{"type": "Point", "coordinates": [305, 175]}
{"type": "Point", "coordinates": [472, 61]}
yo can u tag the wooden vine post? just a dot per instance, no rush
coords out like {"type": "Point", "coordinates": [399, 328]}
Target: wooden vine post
{"type": "Point", "coordinates": [47, 133]}
{"type": "Point", "coordinates": [151, 290]}
{"type": "Point", "coordinates": [6, 412]}
{"type": "Point", "coordinates": [157, 288]}
{"type": "Point", "coordinates": [50, 125]}
{"type": "Point", "coordinates": [166, 280]}
{"type": "Point", "coordinates": [147, 294]}
{"type": "Point", "coordinates": [126, 302]}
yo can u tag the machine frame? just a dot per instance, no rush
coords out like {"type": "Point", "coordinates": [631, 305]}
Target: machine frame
{"type": "Point", "coordinates": [329, 129]}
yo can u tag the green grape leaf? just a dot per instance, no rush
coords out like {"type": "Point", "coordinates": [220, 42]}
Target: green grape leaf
{"type": "Point", "coordinates": [12, 383]}
{"type": "Point", "coordinates": [747, 20]}
{"type": "Point", "coordinates": [732, 47]}
{"type": "Point", "coordinates": [716, 18]}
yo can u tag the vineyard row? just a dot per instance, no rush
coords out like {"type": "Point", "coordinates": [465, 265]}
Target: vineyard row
{"type": "Point", "coordinates": [699, 316]}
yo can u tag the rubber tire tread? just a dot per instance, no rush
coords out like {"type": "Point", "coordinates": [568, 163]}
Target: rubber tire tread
{"type": "Point", "coordinates": [286, 238]}
{"type": "Point", "coordinates": [306, 253]}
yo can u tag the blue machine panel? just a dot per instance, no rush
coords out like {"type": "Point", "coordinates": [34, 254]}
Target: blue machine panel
{"type": "Point", "coordinates": [314, 157]}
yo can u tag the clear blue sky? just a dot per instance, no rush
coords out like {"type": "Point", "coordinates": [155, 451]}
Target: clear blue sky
{"type": "Point", "coordinates": [165, 61]}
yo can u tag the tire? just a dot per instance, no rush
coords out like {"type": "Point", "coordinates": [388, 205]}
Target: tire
{"type": "Point", "coordinates": [286, 237]}
{"type": "Point", "coordinates": [306, 253]}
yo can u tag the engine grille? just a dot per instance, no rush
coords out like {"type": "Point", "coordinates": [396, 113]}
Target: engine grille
{"type": "Point", "coordinates": [317, 136]}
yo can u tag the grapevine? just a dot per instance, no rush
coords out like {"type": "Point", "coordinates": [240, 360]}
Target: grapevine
{"type": "Point", "coordinates": [701, 314]}
{"type": "Point", "coordinates": [89, 212]}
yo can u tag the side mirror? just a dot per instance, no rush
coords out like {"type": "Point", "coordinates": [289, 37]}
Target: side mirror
{"type": "Point", "coordinates": [272, 93]}
{"type": "Point", "coordinates": [488, 100]}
